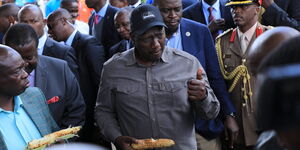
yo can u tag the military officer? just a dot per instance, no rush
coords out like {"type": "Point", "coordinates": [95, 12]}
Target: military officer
{"type": "Point", "coordinates": [232, 49]}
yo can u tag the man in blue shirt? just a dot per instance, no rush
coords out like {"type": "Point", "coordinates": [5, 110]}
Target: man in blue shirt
{"type": "Point", "coordinates": [23, 117]}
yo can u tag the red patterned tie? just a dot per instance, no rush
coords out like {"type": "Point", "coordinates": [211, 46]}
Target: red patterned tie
{"type": "Point", "coordinates": [210, 19]}
{"type": "Point", "coordinates": [211, 16]}
{"type": "Point", "coordinates": [96, 19]}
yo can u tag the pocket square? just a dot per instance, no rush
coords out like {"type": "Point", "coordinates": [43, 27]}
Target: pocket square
{"type": "Point", "coordinates": [53, 100]}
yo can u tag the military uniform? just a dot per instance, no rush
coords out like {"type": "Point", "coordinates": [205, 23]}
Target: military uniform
{"type": "Point", "coordinates": [234, 67]}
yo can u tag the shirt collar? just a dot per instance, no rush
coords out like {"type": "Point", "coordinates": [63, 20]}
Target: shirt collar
{"type": "Point", "coordinates": [132, 59]}
{"type": "Point", "coordinates": [137, 4]}
{"type": "Point", "coordinates": [102, 11]}
{"type": "Point", "coordinates": [71, 38]}
{"type": "Point", "coordinates": [249, 33]}
{"type": "Point", "coordinates": [42, 41]}
{"type": "Point", "coordinates": [18, 104]}
{"type": "Point", "coordinates": [216, 5]}
{"type": "Point", "coordinates": [177, 33]}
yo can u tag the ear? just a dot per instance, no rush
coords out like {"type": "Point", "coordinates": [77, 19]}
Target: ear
{"type": "Point", "coordinates": [64, 21]}
{"type": "Point", "coordinates": [132, 38]}
{"type": "Point", "coordinates": [11, 20]}
{"type": "Point", "coordinates": [258, 9]}
{"type": "Point", "coordinates": [44, 22]}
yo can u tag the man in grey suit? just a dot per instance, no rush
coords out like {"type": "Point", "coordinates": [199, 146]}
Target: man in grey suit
{"type": "Point", "coordinates": [51, 75]}
{"type": "Point", "coordinates": [23, 117]}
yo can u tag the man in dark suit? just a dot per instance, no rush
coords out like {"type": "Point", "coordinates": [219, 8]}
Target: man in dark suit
{"type": "Point", "coordinates": [101, 23]}
{"type": "Point", "coordinates": [90, 55]}
{"type": "Point", "coordinates": [220, 20]}
{"type": "Point", "coordinates": [195, 38]}
{"type": "Point", "coordinates": [51, 75]}
{"type": "Point", "coordinates": [32, 15]}
{"type": "Point", "coordinates": [24, 115]}
{"type": "Point", "coordinates": [122, 24]}
{"type": "Point", "coordinates": [281, 13]}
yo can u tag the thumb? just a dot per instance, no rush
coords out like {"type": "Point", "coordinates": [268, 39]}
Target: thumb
{"type": "Point", "coordinates": [199, 74]}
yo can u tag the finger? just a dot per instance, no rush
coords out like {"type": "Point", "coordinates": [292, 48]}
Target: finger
{"type": "Point", "coordinates": [196, 87]}
{"type": "Point", "coordinates": [194, 81]}
{"type": "Point", "coordinates": [199, 74]}
{"type": "Point", "coordinates": [198, 94]}
{"type": "Point", "coordinates": [226, 135]}
{"type": "Point", "coordinates": [231, 140]}
{"type": "Point", "coordinates": [236, 134]}
{"type": "Point", "coordinates": [191, 97]}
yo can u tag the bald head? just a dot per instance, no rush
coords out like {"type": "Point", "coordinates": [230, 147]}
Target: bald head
{"type": "Point", "coordinates": [32, 15]}
{"type": "Point", "coordinates": [59, 24]}
{"type": "Point", "coordinates": [8, 16]}
{"type": "Point", "coordinates": [59, 13]}
{"type": "Point", "coordinates": [6, 55]}
{"type": "Point", "coordinates": [268, 42]}
{"type": "Point", "coordinates": [9, 9]}
{"type": "Point", "coordinates": [13, 78]}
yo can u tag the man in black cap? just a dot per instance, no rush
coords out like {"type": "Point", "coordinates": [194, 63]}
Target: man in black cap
{"type": "Point", "coordinates": [152, 91]}
{"type": "Point", "coordinates": [232, 48]}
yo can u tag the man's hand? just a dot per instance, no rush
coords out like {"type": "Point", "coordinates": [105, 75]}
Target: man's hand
{"type": "Point", "coordinates": [231, 130]}
{"type": "Point", "coordinates": [196, 88]}
{"type": "Point", "coordinates": [123, 142]}
{"type": "Point", "coordinates": [266, 3]}
{"type": "Point", "coordinates": [217, 24]}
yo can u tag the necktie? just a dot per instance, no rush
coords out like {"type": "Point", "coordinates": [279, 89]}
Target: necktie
{"type": "Point", "coordinates": [96, 19]}
{"type": "Point", "coordinates": [211, 16]}
{"type": "Point", "coordinates": [243, 42]}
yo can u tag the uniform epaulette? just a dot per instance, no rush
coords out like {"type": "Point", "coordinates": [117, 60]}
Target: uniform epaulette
{"type": "Point", "coordinates": [225, 32]}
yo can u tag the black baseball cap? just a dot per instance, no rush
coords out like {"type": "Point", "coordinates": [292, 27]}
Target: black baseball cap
{"type": "Point", "coordinates": [145, 17]}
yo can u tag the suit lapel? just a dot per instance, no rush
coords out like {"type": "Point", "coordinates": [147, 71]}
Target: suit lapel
{"type": "Point", "coordinates": [199, 15]}
{"type": "Point", "coordinates": [222, 8]}
{"type": "Point", "coordinates": [75, 40]}
{"type": "Point", "coordinates": [41, 75]}
{"type": "Point", "coordinates": [29, 99]}
{"type": "Point", "coordinates": [186, 35]}
{"type": "Point", "coordinates": [235, 46]}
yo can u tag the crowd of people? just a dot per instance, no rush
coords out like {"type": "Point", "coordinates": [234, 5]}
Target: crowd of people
{"type": "Point", "coordinates": [208, 74]}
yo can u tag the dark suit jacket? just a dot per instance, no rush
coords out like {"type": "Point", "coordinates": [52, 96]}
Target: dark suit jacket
{"type": "Point", "coordinates": [119, 47]}
{"type": "Point", "coordinates": [109, 32]}
{"type": "Point", "coordinates": [197, 40]}
{"type": "Point", "coordinates": [54, 78]}
{"type": "Point", "coordinates": [91, 56]}
{"type": "Point", "coordinates": [35, 105]}
{"type": "Point", "coordinates": [283, 13]}
{"type": "Point", "coordinates": [187, 3]}
{"type": "Point", "coordinates": [61, 51]}
{"type": "Point", "coordinates": [195, 12]}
